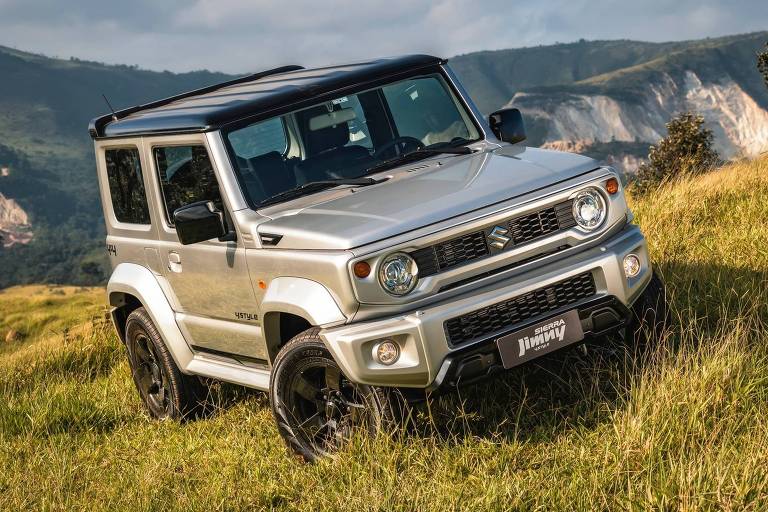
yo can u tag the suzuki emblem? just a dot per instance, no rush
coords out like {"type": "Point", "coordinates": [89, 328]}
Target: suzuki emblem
{"type": "Point", "coordinates": [497, 238]}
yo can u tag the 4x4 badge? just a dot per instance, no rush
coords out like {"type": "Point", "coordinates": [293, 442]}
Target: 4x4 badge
{"type": "Point", "coordinates": [497, 238]}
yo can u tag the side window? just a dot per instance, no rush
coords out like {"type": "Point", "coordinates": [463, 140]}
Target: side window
{"type": "Point", "coordinates": [186, 176]}
{"type": "Point", "coordinates": [126, 185]}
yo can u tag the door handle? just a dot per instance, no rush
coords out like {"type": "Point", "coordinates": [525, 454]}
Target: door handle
{"type": "Point", "coordinates": [174, 261]}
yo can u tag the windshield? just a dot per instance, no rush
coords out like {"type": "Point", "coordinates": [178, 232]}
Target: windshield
{"type": "Point", "coordinates": [345, 137]}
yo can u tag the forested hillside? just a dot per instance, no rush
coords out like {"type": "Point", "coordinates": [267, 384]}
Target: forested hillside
{"type": "Point", "coordinates": [45, 107]}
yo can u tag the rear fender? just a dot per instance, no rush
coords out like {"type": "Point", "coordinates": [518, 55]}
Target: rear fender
{"type": "Point", "coordinates": [129, 278]}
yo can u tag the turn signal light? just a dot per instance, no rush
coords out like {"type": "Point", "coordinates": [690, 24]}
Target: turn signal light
{"type": "Point", "coordinates": [362, 269]}
{"type": "Point", "coordinates": [612, 185]}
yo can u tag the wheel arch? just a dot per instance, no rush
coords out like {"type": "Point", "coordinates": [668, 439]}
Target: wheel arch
{"type": "Point", "coordinates": [292, 305]}
{"type": "Point", "coordinates": [132, 286]}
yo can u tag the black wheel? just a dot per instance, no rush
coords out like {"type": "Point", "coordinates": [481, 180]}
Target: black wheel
{"type": "Point", "coordinates": [315, 406]}
{"type": "Point", "coordinates": [650, 314]}
{"type": "Point", "coordinates": [165, 391]}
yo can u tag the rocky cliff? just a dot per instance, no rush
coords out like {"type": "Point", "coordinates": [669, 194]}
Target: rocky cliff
{"type": "Point", "coordinates": [612, 99]}
{"type": "Point", "coordinates": [576, 121]}
{"type": "Point", "coordinates": [14, 223]}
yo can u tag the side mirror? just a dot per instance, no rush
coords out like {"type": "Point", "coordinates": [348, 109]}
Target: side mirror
{"type": "Point", "coordinates": [508, 125]}
{"type": "Point", "coordinates": [198, 222]}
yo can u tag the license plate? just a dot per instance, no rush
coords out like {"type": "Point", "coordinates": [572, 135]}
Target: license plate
{"type": "Point", "coordinates": [539, 339]}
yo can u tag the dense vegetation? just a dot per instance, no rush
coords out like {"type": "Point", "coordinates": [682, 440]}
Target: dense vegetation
{"type": "Point", "coordinates": [680, 426]}
{"type": "Point", "coordinates": [687, 148]}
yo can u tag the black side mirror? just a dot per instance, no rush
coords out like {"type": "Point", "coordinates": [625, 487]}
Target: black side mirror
{"type": "Point", "coordinates": [198, 222]}
{"type": "Point", "coordinates": [508, 125]}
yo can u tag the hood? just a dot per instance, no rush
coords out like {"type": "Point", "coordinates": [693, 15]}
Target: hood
{"type": "Point", "coordinates": [418, 195]}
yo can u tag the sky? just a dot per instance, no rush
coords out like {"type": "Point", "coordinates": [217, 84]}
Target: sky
{"type": "Point", "coordinates": [239, 36]}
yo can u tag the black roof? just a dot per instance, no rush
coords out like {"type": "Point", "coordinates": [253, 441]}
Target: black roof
{"type": "Point", "coordinates": [211, 107]}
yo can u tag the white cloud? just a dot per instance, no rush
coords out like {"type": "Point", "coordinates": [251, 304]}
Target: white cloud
{"type": "Point", "coordinates": [243, 35]}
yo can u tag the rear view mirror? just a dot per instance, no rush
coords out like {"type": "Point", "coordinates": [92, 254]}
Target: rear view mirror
{"type": "Point", "coordinates": [198, 222]}
{"type": "Point", "coordinates": [508, 125]}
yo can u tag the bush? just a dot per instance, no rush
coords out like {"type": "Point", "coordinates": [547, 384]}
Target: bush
{"type": "Point", "coordinates": [687, 149]}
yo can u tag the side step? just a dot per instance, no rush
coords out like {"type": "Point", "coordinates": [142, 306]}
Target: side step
{"type": "Point", "coordinates": [234, 373]}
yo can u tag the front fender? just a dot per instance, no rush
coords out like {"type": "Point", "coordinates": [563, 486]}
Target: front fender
{"type": "Point", "coordinates": [302, 297]}
{"type": "Point", "coordinates": [140, 282]}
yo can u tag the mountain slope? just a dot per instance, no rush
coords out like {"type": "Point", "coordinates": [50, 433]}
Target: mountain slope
{"type": "Point", "coordinates": [493, 77]}
{"type": "Point", "coordinates": [45, 107]}
{"type": "Point", "coordinates": [631, 105]}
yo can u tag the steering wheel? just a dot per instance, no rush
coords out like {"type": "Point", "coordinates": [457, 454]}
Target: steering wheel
{"type": "Point", "coordinates": [401, 143]}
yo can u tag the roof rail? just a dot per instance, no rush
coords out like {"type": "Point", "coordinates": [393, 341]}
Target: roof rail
{"type": "Point", "coordinates": [96, 126]}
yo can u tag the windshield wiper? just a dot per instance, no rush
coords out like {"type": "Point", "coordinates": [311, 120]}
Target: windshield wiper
{"type": "Point", "coordinates": [418, 154]}
{"type": "Point", "coordinates": [315, 186]}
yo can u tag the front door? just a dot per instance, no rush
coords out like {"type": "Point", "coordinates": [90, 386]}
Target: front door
{"type": "Point", "coordinates": [214, 299]}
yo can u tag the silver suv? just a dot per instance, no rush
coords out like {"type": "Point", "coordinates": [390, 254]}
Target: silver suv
{"type": "Point", "coordinates": [351, 238]}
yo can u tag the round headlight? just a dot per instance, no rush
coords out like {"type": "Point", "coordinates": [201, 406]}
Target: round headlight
{"type": "Point", "coordinates": [398, 273]}
{"type": "Point", "coordinates": [589, 209]}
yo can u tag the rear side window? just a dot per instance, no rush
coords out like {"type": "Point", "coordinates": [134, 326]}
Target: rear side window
{"type": "Point", "coordinates": [126, 185]}
{"type": "Point", "coordinates": [186, 176]}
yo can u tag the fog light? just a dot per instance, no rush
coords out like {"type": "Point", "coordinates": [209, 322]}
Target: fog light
{"type": "Point", "coordinates": [631, 265]}
{"type": "Point", "coordinates": [387, 352]}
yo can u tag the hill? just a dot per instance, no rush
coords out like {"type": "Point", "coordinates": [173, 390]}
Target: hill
{"type": "Point", "coordinates": [45, 107]}
{"type": "Point", "coordinates": [609, 99]}
{"type": "Point", "coordinates": [629, 105]}
{"type": "Point", "coordinates": [680, 425]}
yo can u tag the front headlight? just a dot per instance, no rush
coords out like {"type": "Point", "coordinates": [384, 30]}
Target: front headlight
{"type": "Point", "coordinates": [589, 209]}
{"type": "Point", "coordinates": [398, 273]}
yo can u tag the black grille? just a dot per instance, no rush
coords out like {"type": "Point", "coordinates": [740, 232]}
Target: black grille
{"type": "Point", "coordinates": [466, 248]}
{"type": "Point", "coordinates": [473, 246]}
{"type": "Point", "coordinates": [530, 227]}
{"type": "Point", "coordinates": [504, 315]}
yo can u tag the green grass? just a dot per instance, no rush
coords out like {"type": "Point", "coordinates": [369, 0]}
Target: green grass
{"type": "Point", "coordinates": [682, 426]}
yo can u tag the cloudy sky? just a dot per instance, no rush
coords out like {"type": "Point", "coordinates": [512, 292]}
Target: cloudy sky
{"type": "Point", "coordinates": [241, 35]}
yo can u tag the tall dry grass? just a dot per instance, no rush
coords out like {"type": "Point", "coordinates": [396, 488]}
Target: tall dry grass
{"type": "Point", "coordinates": [681, 425]}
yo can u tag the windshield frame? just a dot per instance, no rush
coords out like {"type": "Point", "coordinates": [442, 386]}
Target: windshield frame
{"type": "Point", "coordinates": [457, 93]}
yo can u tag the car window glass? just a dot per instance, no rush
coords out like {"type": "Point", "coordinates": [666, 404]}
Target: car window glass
{"type": "Point", "coordinates": [346, 136]}
{"type": "Point", "coordinates": [358, 126]}
{"type": "Point", "coordinates": [422, 108]}
{"type": "Point", "coordinates": [186, 176]}
{"type": "Point", "coordinates": [260, 138]}
{"type": "Point", "coordinates": [126, 185]}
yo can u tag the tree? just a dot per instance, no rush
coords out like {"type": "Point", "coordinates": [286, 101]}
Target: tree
{"type": "Point", "coordinates": [762, 63]}
{"type": "Point", "coordinates": [687, 149]}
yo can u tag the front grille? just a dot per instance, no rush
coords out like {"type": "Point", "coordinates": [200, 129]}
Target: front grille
{"type": "Point", "coordinates": [527, 228]}
{"type": "Point", "coordinates": [504, 315]}
{"type": "Point", "coordinates": [473, 246]}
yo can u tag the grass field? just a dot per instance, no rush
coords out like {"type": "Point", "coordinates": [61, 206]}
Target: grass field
{"type": "Point", "coordinates": [681, 426]}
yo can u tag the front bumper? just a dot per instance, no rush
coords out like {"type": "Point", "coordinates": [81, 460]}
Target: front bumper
{"type": "Point", "coordinates": [427, 359]}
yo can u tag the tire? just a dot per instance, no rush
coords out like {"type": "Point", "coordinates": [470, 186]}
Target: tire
{"type": "Point", "coordinates": [165, 391]}
{"type": "Point", "coordinates": [650, 313]}
{"type": "Point", "coordinates": [315, 406]}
